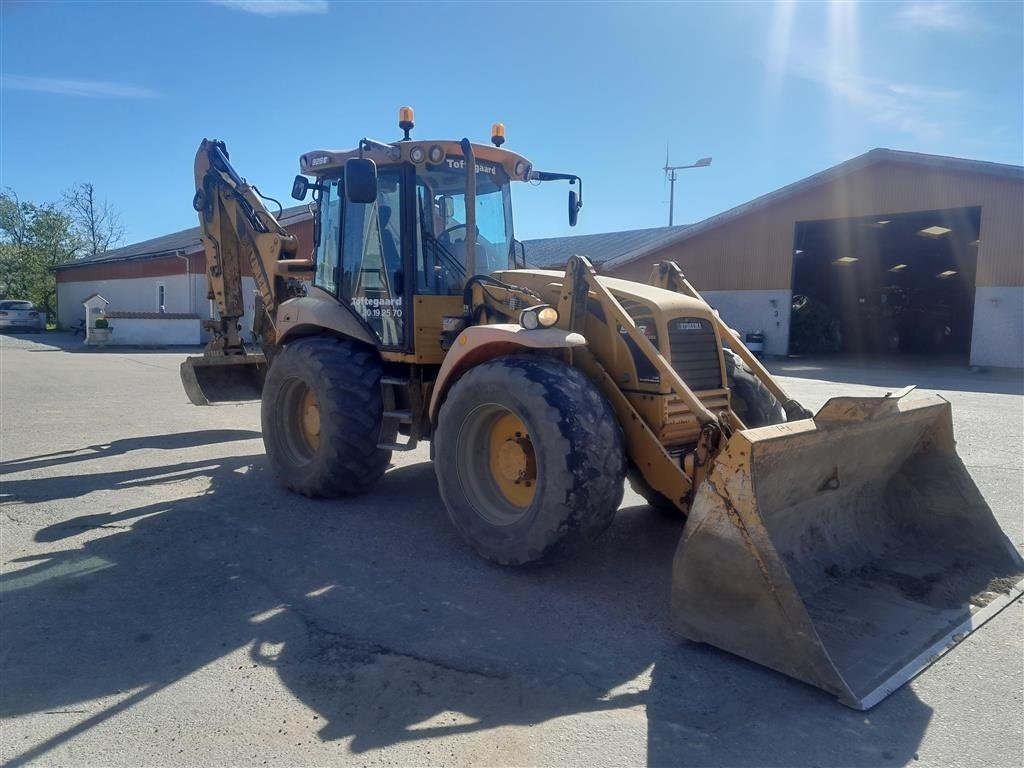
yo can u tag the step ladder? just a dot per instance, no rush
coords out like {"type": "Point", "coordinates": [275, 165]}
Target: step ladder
{"type": "Point", "coordinates": [392, 418]}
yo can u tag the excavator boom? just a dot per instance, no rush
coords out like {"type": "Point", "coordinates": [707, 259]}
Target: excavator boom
{"type": "Point", "coordinates": [238, 232]}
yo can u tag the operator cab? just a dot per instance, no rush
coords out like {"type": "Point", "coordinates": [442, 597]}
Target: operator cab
{"type": "Point", "coordinates": [392, 222]}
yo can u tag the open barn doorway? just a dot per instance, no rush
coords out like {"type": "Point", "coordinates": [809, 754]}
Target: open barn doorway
{"type": "Point", "coordinates": [891, 284]}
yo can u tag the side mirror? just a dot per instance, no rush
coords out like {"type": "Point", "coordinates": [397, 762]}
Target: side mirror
{"type": "Point", "coordinates": [360, 180]}
{"type": "Point", "coordinates": [300, 187]}
{"type": "Point", "coordinates": [574, 207]}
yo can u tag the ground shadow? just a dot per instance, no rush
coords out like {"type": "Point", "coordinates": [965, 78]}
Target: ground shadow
{"type": "Point", "coordinates": [897, 372]}
{"type": "Point", "coordinates": [378, 617]}
{"type": "Point", "coordinates": [170, 442]}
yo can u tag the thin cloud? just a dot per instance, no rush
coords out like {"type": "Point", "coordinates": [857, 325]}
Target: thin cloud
{"type": "Point", "coordinates": [907, 107]}
{"type": "Point", "coordinates": [946, 17]}
{"type": "Point", "coordinates": [923, 93]}
{"type": "Point", "coordinates": [94, 89]}
{"type": "Point", "coordinates": [275, 7]}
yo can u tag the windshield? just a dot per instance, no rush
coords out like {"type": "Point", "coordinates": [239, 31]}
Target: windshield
{"type": "Point", "coordinates": [441, 223]}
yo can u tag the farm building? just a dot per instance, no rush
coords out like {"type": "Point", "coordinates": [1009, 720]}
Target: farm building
{"type": "Point", "coordinates": [161, 281]}
{"type": "Point", "coordinates": [890, 253]}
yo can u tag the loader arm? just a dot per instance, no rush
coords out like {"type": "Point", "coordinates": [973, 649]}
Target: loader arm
{"type": "Point", "coordinates": [669, 276]}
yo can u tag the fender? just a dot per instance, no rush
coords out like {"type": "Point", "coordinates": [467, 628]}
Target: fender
{"type": "Point", "coordinates": [319, 310]}
{"type": "Point", "coordinates": [480, 343]}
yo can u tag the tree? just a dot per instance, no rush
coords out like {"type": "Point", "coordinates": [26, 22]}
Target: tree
{"type": "Point", "coordinates": [34, 238]}
{"type": "Point", "coordinates": [96, 223]}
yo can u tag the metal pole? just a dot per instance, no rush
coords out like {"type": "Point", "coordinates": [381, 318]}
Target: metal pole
{"type": "Point", "coordinates": [702, 163]}
{"type": "Point", "coordinates": [671, 196]}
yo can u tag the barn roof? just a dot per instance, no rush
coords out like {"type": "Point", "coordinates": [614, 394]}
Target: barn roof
{"type": "Point", "coordinates": [186, 241]}
{"type": "Point", "coordinates": [556, 251]}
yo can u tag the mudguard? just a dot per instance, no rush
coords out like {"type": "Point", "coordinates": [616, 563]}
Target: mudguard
{"type": "Point", "coordinates": [479, 343]}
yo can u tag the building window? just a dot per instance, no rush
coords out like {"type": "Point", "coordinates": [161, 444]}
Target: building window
{"type": "Point", "coordinates": [160, 294]}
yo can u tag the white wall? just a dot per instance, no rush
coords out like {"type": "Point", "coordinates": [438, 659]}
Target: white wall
{"type": "Point", "coordinates": [156, 332]}
{"type": "Point", "coordinates": [749, 311]}
{"type": "Point", "coordinates": [138, 294]}
{"type": "Point", "coordinates": [997, 339]}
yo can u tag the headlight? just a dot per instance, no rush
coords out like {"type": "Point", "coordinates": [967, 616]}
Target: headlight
{"type": "Point", "coordinates": [436, 154]}
{"type": "Point", "coordinates": [417, 155]}
{"type": "Point", "coordinates": [542, 316]}
{"type": "Point", "coordinates": [521, 169]}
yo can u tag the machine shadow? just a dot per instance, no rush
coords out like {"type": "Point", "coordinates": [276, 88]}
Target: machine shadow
{"type": "Point", "coordinates": [168, 442]}
{"type": "Point", "coordinates": [378, 617]}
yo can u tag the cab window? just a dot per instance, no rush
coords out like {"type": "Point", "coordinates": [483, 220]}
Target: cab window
{"type": "Point", "coordinates": [330, 236]}
{"type": "Point", "coordinates": [441, 266]}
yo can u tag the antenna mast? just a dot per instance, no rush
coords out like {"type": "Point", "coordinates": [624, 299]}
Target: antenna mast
{"type": "Point", "coordinates": [670, 176]}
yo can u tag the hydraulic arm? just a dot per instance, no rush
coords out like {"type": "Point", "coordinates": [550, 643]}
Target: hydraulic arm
{"type": "Point", "coordinates": [240, 236]}
{"type": "Point", "coordinates": [238, 231]}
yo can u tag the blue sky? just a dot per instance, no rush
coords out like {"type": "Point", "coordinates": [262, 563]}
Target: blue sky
{"type": "Point", "coordinates": [120, 94]}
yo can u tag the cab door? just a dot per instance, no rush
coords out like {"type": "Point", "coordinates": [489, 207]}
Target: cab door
{"type": "Point", "coordinates": [374, 250]}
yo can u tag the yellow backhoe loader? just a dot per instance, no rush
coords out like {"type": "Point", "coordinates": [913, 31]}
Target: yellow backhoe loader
{"type": "Point", "coordinates": [847, 549]}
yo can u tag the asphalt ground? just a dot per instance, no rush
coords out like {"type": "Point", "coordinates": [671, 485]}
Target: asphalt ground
{"type": "Point", "coordinates": [163, 601]}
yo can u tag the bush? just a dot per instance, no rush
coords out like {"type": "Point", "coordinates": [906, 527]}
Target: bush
{"type": "Point", "coordinates": [101, 323]}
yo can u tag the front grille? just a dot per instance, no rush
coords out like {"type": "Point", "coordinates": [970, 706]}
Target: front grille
{"type": "Point", "coordinates": [694, 352]}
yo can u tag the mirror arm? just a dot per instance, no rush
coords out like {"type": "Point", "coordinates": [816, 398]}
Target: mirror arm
{"type": "Point", "coordinates": [393, 153]}
{"type": "Point", "coordinates": [547, 176]}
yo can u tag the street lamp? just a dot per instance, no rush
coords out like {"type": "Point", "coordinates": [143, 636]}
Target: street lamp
{"type": "Point", "coordinates": [670, 174]}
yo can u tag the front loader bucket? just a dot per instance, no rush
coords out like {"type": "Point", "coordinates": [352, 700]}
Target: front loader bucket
{"type": "Point", "coordinates": [849, 551]}
{"type": "Point", "coordinates": [223, 379]}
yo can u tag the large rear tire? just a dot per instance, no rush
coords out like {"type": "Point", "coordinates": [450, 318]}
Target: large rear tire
{"type": "Point", "coordinates": [529, 459]}
{"type": "Point", "coordinates": [751, 400]}
{"type": "Point", "coordinates": [321, 413]}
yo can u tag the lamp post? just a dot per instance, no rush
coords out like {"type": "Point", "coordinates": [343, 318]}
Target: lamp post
{"type": "Point", "coordinates": [670, 174]}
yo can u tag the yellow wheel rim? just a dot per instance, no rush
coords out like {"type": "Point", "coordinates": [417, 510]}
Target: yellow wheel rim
{"type": "Point", "coordinates": [513, 464]}
{"type": "Point", "coordinates": [309, 419]}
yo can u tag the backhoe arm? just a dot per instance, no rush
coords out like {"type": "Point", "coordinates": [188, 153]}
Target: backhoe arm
{"type": "Point", "coordinates": [668, 275]}
{"type": "Point", "coordinates": [238, 229]}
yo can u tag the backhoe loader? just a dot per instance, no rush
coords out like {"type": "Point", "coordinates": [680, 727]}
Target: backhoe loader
{"type": "Point", "coordinates": [847, 549]}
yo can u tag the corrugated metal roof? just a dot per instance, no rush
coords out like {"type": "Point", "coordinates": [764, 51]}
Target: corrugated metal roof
{"type": "Point", "coordinates": [186, 241]}
{"type": "Point", "coordinates": [555, 251]}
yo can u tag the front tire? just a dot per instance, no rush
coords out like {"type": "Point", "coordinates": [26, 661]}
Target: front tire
{"type": "Point", "coordinates": [751, 400]}
{"type": "Point", "coordinates": [529, 459]}
{"type": "Point", "coordinates": [321, 412]}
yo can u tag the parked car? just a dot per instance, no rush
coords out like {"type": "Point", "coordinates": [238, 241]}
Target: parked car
{"type": "Point", "coordinates": [18, 315]}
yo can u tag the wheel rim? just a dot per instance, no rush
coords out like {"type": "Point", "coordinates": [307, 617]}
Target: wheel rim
{"type": "Point", "coordinates": [497, 464]}
{"type": "Point", "coordinates": [299, 421]}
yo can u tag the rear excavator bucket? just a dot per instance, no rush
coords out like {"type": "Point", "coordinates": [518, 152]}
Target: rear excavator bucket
{"type": "Point", "coordinates": [223, 378]}
{"type": "Point", "coordinates": [849, 551]}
